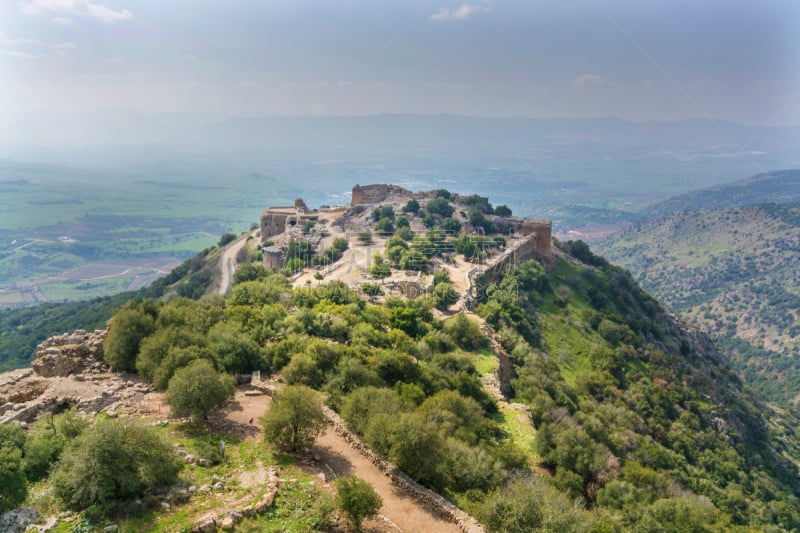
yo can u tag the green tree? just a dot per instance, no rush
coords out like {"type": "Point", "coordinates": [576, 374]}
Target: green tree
{"type": "Point", "coordinates": [129, 327]}
{"type": "Point", "coordinates": [380, 269]}
{"type": "Point", "coordinates": [295, 418]}
{"type": "Point", "coordinates": [412, 206]}
{"type": "Point", "coordinates": [226, 238]}
{"type": "Point", "coordinates": [502, 211]}
{"type": "Point", "coordinates": [357, 500]}
{"type": "Point", "coordinates": [444, 296]}
{"type": "Point", "coordinates": [12, 479]}
{"type": "Point", "coordinates": [440, 206]}
{"type": "Point", "coordinates": [114, 460]}
{"type": "Point", "coordinates": [46, 441]}
{"type": "Point", "coordinates": [466, 332]}
{"type": "Point", "coordinates": [250, 272]}
{"type": "Point", "coordinates": [197, 389]}
{"type": "Point", "coordinates": [238, 352]}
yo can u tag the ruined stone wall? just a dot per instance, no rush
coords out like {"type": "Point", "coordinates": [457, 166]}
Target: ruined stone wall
{"type": "Point", "coordinates": [479, 277]}
{"type": "Point", "coordinates": [272, 224]}
{"type": "Point", "coordinates": [543, 229]}
{"type": "Point", "coordinates": [375, 194]}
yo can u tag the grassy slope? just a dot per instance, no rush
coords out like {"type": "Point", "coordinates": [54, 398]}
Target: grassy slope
{"type": "Point", "coordinates": [733, 272]}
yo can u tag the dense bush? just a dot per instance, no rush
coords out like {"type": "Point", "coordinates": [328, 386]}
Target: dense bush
{"type": "Point", "coordinates": [197, 388]}
{"type": "Point", "coordinates": [294, 419]}
{"type": "Point", "coordinates": [131, 324]}
{"type": "Point", "coordinates": [113, 460]}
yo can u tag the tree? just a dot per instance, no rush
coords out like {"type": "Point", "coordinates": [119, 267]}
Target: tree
{"type": "Point", "coordinates": [502, 211]}
{"type": "Point", "coordinates": [466, 332]}
{"type": "Point", "coordinates": [440, 206]}
{"type": "Point", "coordinates": [444, 296]}
{"type": "Point", "coordinates": [250, 272]}
{"type": "Point", "coordinates": [129, 327]}
{"type": "Point", "coordinates": [295, 418]}
{"type": "Point", "coordinates": [357, 499]}
{"type": "Point", "coordinates": [197, 389]}
{"type": "Point", "coordinates": [12, 479]}
{"type": "Point", "coordinates": [226, 238]}
{"type": "Point", "coordinates": [380, 269]}
{"type": "Point", "coordinates": [412, 206]}
{"type": "Point", "coordinates": [114, 460]}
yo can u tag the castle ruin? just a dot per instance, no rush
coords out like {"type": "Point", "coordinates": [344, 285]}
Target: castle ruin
{"type": "Point", "coordinates": [542, 230]}
{"type": "Point", "coordinates": [276, 220]}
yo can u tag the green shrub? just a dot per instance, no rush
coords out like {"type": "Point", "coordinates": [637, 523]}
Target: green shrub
{"type": "Point", "coordinates": [357, 500]}
{"type": "Point", "coordinates": [12, 479]}
{"type": "Point", "coordinates": [294, 419]}
{"type": "Point", "coordinates": [197, 389]}
{"type": "Point", "coordinates": [112, 461]}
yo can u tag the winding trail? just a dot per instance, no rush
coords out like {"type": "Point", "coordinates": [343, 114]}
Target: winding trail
{"type": "Point", "coordinates": [227, 263]}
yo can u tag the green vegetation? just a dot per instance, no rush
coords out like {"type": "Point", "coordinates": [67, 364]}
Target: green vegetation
{"type": "Point", "coordinates": [197, 389]}
{"type": "Point", "coordinates": [625, 417]}
{"type": "Point", "coordinates": [294, 419]}
{"type": "Point", "coordinates": [357, 500]}
{"type": "Point", "coordinates": [111, 462]}
{"type": "Point", "coordinates": [643, 426]}
{"type": "Point", "coordinates": [12, 478]}
{"type": "Point", "coordinates": [132, 324]}
{"type": "Point", "coordinates": [733, 273]}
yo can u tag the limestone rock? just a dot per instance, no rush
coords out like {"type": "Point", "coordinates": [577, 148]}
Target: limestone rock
{"type": "Point", "coordinates": [265, 502]}
{"type": "Point", "coordinates": [206, 524]}
{"type": "Point", "coordinates": [55, 365]}
{"type": "Point", "coordinates": [18, 520]}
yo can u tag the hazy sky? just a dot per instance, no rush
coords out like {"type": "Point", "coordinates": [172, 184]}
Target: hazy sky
{"type": "Point", "coordinates": [640, 59]}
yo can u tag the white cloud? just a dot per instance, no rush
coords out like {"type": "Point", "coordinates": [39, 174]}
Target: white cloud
{"type": "Point", "coordinates": [32, 48]}
{"type": "Point", "coordinates": [77, 8]}
{"type": "Point", "coordinates": [460, 13]}
{"type": "Point", "coordinates": [63, 21]}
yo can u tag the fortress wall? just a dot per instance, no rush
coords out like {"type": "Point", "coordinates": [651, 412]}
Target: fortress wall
{"type": "Point", "coordinates": [478, 277]}
{"type": "Point", "coordinates": [375, 194]}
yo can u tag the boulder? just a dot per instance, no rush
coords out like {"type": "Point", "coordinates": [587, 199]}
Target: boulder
{"type": "Point", "coordinates": [55, 365]}
{"type": "Point", "coordinates": [18, 520]}
{"type": "Point", "coordinates": [206, 524]}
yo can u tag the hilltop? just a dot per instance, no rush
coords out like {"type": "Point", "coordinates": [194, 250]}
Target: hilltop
{"type": "Point", "coordinates": [550, 388]}
{"type": "Point", "coordinates": [777, 187]}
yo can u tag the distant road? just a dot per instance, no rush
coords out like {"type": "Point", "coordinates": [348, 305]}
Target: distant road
{"type": "Point", "coordinates": [227, 263]}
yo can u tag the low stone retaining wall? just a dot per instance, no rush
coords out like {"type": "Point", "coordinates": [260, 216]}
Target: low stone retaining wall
{"type": "Point", "coordinates": [432, 501]}
{"type": "Point", "coordinates": [426, 497]}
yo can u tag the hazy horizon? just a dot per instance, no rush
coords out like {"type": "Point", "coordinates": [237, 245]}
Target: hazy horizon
{"type": "Point", "coordinates": [69, 66]}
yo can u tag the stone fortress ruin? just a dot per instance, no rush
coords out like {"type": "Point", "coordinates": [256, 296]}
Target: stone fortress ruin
{"type": "Point", "coordinates": [283, 226]}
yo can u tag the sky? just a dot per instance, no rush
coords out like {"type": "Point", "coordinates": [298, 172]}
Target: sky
{"type": "Point", "coordinates": [639, 60]}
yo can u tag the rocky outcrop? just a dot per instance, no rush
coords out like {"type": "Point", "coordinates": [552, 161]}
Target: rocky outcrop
{"type": "Point", "coordinates": [66, 354]}
{"type": "Point", "coordinates": [69, 372]}
{"type": "Point", "coordinates": [18, 520]}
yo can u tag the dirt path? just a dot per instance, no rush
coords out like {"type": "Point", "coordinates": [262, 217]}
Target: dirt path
{"type": "Point", "coordinates": [337, 458]}
{"type": "Point", "coordinates": [227, 263]}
